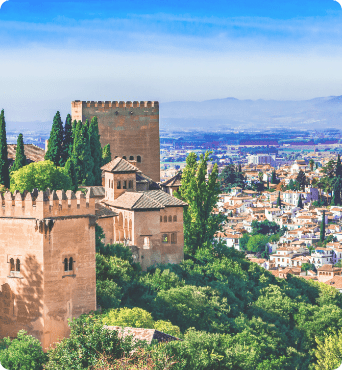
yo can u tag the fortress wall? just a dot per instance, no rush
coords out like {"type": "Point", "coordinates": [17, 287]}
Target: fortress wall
{"type": "Point", "coordinates": [131, 129]}
{"type": "Point", "coordinates": [68, 294]}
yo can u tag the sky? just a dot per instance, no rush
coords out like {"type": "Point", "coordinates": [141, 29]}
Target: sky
{"type": "Point", "coordinates": [53, 52]}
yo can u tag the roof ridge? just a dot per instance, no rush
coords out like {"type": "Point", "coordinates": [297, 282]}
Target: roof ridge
{"type": "Point", "coordinates": [162, 205]}
{"type": "Point", "coordinates": [136, 200]}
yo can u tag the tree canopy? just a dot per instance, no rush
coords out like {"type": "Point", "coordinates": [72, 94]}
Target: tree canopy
{"type": "Point", "coordinates": [4, 170]}
{"type": "Point", "coordinates": [20, 157]}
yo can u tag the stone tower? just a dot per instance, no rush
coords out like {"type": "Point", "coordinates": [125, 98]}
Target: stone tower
{"type": "Point", "coordinates": [131, 129]}
{"type": "Point", "coordinates": [47, 262]}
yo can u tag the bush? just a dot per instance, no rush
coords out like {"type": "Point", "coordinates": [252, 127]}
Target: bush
{"type": "Point", "coordinates": [108, 294]}
{"type": "Point", "coordinates": [23, 352]}
{"type": "Point", "coordinates": [129, 317]}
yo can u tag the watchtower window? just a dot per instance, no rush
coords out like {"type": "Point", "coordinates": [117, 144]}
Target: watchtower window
{"type": "Point", "coordinates": [66, 265]}
{"type": "Point", "coordinates": [130, 184]}
{"type": "Point", "coordinates": [165, 218]}
{"type": "Point", "coordinates": [17, 265]}
{"type": "Point", "coordinates": [124, 157]}
{"type": "Point", "coordinates": [174, 218]}
{"type": "Point", "coordinates": [12, 266]}
{"type": "Point", "coordinates": [124, 185]}
{"type": "Point", "coordinates": [138, 159]}
{"type": "Point", "coordinates": [118, 185]}
{"type": "Point", "coordinates": [131, 158]}
{"type": "Point", "coordinates": [71, 261]}
{"type": "Point", "coordinates": [170, 218]}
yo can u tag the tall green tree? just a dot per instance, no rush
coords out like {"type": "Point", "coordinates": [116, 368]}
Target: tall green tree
{"type": "Point", "coordinates": [300, 202]}
{"type": "Point", "coordinates": [322, 231]}
{"type": "Point", "coordinates": [200, 224]}
{"type": "Point", "coordinates": [20, 157]}
{"type": "Point", "coordinates": [279, 200]}
{"type": "Point", "coordinates": [96, 150]}
{"type": "Point", "coordinates": [70, 170]}
{"type": "Point", "coordinates": [336, 199]}
{"type": "Point", "coordinates": [301, 179]}
{"type": "Point", "coordinates": [231, 177]}
{"type": "Point", "coordinates": [67, 141]}
{"type": "Point", "coordinates": [54, 152]}
{"type": "Point", "coordinates": [106, 155]}
{"type": "Point", "coordinates": [274, 178]}
{"type": "Point", "coordinates": [338, 167]}
{"type": "Point", "coordinates": [311, 164]}
{"type": "Point", "coordinates": [4, 170]}
{"type": "Point", "coordinates": [81, 155]}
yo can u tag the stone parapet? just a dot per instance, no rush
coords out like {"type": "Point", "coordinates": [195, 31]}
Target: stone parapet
{"type": "Point", "coordinates": [117, 104]}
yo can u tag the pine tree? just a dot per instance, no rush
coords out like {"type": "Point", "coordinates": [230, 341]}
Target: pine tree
{"type": "Point", "coordinates": [69, 166]}
{"type": "Point", "coordinates": [300, 202]}
{"type": "Point", "coordinates": [20, 157]}
{"type": "Point", "coordinates": [67, 141]}
{"type": "Point", "coordinates": [106, 155]}
{"type": "Point", "coordinates": [55, 150]}
{"type": "Point", "coordinates": [81, 155]}
{"type": "Point", "coordinates": [278, 200]}
{"type": "Point", "coordinates": [322, 231]}
{"type": "Point", "coordinates": [96, 150]}
{"type": "Point", "coordinates": [4, 170]}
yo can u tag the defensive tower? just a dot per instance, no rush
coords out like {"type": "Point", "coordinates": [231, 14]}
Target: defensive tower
{"type": "Point", "coordinates": [47, 262]}
{"type": "Point", "coordinates": [131, 129]}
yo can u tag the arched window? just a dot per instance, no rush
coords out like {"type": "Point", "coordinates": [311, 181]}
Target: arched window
{"type": "Point", "coordinates": [165, 238]}
{"type": "Point", "coordinates": [165, 218]}
{"type": "Point", "coordinates": [118, 185]}
{"type": "Point", "coordinates": [161, 218]}
{"type": "Point", "coordinates": [131, 158]}
{"type": "Point", "coordinates": [174, 218]}
{"type": "Point", "coordinates": [66, 265]}
{"type": "Point", "coordinates": [12, 266]}
{"type": "Point", "coordinates": [130, 184]}
{"type": "Point", "coordinates": [124, 186]}
{"type": "Point", "coordinates": [138, 159]}
{"type": "Point", "coordinates": [124, 157]}
{"type": "Point", "coordinates": [71, 261]}
{"type": "Point", "coordinates": [170, 218]}
{"type": "Point", "coordinates": [17, 265]}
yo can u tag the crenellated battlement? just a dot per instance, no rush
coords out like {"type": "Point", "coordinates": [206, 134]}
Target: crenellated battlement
{"type": "Point", "coordinates": [116, 104]}
{"type": "Point", "coordinates": [46, 204]}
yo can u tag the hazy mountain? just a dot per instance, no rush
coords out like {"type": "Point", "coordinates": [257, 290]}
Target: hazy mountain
{"type": "Point", "coordinates": [231, 113]}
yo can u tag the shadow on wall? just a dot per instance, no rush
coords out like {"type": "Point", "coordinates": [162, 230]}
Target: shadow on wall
{"type": "Point", "coordinates": [24, 309]}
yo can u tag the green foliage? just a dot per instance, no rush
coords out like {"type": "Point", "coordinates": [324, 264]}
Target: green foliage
{"type": "Point", "coordinates": [70, 170]}
{"type": "Point", "coordinates": [265, 227]}
{"type": "Point", "coordinates": [20, 157]}
{"type": "Point", "coordinates": [329, 351]}
{"type": "Point", "coordinates": [231, 176]}
{"type": "Point", "coordinates": [22, 353]}
{"type": "Point", "coordinates": [67, 141]}
{"type": "Point", "coordinates": [106, 155]}
{"type": "Point", "coordinates": [88, 340]}
{"type": "Point", "coordinates": [279, 204]}
{"type": "Point", "coordinates": [200, 224]}
{"type": "Point", "coordinates": [322, 229]}
{"type": "Point", "coordinates": [108, 294]}
{"type": "Point", "coordinates": [336, 199]}
{"type": "Point", "coordinates": [4, 170]}
{"type": "Point", "coordinates": [257, 243]}
{"type": "Point", "coordinates": [127, 317]}
{"type": "Point", "coordinates": [167, 327]}
{"type": "Point", "coordinates": [96, 150]}
{"type": "Point", "coordinates": [301, 179]}
{"type": "Point", "coordinates": [40, 175]}
{"type": "Point", "coordinates": [300, 202]}
{"type": "Point", "coordinates": [55, 150]}
{"type": "Point", "coordinates": [81, 155]}
{"type": "Point", "coordinates": [274, 179]}
{"type": "Point", "coordinates": [308, 266]}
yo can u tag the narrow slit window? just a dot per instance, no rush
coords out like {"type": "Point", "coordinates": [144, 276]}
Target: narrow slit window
{"type": "Point", "coordinates": [124, 185]}
{"type": "Point", "coordinates": [17, 265]}
{"type": "Point", "coordinates": [12, 266]}
{"type": "Point", "coordinates": [138, 159]}
{"type": "Point", "coordinates": [118, 185]}
{"type": "Point", "coordinates": [174, 218]}
{"type": "Point", "coordinates": [165, 218]}
{"type": "Point", "coordinates": [71, 261]}
{"type": "Point", "coordinates": [66, 266]}
{"type": "Point", "coordinates": [130, 184]}
{"type": "Point", "coordinates": [170, 218]}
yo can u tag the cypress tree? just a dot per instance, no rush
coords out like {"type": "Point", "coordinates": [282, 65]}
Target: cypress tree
{"type": "Point", "coordinates": [67, 141]}
{"type": "Point", "coordinates": [81, 155]}
{"type": "Point", "coordinates": [69, 166]}
{"type": "Point", "coordinates": [338, 167]}
{"type": "Point", "coordinates": [274, 178]}
{"type": "Point", "coordinates": [278, 200]}
{"type": "Point", "coordinates": [106, 155]}
{"type": "Point", "coordinates": [336, 199]}
{"type": "Point", "coordinates": [240, 168]}
{"type": "Point", "coordinates": [268, 183]}
{"type": "Point", "coordinates": [20, 157]}
{"type": "Point", "coordinates": [322, 231]}
{"type": "Point", "coordinates": [4, 170]}
{"type": "Point", "coordinates": [55, 150]}
{"type": "Point", "coordinates": [300, 202]}
{"type": "Point", "coordinates": [96, 150]}
{"type": "Point", "coordinates": [73, 127]}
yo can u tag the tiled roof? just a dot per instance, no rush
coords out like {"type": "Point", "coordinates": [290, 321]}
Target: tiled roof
{"type": "Point", "coordinates": [174, 181]}
{"type": "Point", "coordinates": [165, 199]}
{"type": "Point", "coordinates": [97, 191]}
{"type": "Point", "coordinates": [102, 212]}
{"type": "Point", "coordinates": [119, 165]}
{"type": "Point", "coordinates": [335, 282]}
{"type": "Point", "coordinates": [33, 153]}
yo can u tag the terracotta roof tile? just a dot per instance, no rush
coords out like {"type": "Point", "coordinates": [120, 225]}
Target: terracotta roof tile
{"type": "Point", "coordinates": [119, 165]}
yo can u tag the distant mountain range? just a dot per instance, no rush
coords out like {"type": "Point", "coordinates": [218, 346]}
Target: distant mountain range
{"type": "Point", "coordinates": [231, 113]}
{"type": "Point", "coordinates": [212, 115]}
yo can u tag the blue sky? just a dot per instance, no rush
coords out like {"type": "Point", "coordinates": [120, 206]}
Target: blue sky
{"type": "Point", "coordinates": [53, 52]}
